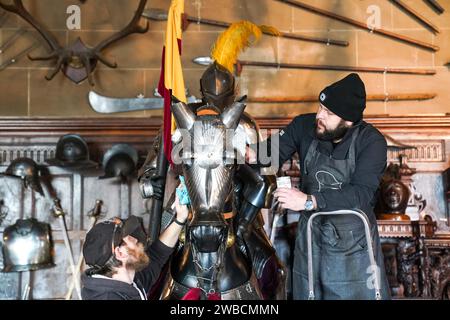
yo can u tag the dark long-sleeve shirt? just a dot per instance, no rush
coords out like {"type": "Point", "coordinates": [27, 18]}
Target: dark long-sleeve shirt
{"type": "Point", "coordinates": [95, 288]}
{"type": "Point", "coordinates": [370, 152]}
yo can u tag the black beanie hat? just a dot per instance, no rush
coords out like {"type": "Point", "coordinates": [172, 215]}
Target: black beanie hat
{"type": "Point", "coordinates": [345, 98]}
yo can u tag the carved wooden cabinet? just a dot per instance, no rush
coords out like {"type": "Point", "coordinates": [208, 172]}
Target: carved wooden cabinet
{"type": "Point", "coordinates": [416, 259]}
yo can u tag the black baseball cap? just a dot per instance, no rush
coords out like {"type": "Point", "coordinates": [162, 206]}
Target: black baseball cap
{"type": "Point", "coordinates": [98, 246]}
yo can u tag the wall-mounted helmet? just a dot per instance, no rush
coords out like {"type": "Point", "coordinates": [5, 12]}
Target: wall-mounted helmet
{"type": "Point", "coordinates": [120, 161]}
{"type": "Point", "coordinates": [27, 170]}
{"type": "Point", "coordinates": [72, 152]}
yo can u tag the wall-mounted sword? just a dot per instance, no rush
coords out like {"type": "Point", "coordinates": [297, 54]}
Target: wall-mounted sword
{"type": "Point", "coordinates": [102, 104]}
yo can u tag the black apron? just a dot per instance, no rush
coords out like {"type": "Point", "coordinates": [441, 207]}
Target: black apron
{"type": "Point", "coordinates": [340, 259]}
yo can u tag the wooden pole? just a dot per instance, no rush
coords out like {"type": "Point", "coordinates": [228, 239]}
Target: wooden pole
{"type": "Point", "coordinates": [371, 97]}
{"type": "Point", "coordinates": [242, 63]}
{"type": "Point", "coordinates": [360, 25]}
{"type": "Point", "coordinates": [415, 15]}
{"type": "Point", "coordinates": [161, 15]}
{"type": "Point", "coordinates": [222, 24]}
{"type": "Point", "coordinates": [435, 5]}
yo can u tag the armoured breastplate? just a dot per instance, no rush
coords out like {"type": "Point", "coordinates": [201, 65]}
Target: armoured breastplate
{"type": "Point", "coordinates": [27, 246]}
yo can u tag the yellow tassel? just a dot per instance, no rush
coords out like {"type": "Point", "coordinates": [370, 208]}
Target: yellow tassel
{"type": "Point", "coordinates": [236, 39]}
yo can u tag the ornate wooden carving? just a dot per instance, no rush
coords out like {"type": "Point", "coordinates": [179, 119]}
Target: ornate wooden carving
{"type": "Point", "coordinates": [400, 229]}
{"type": "Point", "coordinates": [426, 151]}
{"type": "Point", "coordinates": [438, 263]}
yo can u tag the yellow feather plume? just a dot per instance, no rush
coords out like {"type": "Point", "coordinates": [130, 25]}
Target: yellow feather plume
{"type": "Point", "coordinates": [270, 30]}
{"type": "Point", "coordinates": [236, 39]}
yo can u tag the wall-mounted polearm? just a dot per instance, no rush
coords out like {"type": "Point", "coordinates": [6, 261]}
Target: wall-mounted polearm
{"type": "Point", "coordinates": [435, 5]}
{"type": "Point", "coordinates": [360, 25]}
{"type": "Point", "coordinates": [13, 60]}
{"type": "Point", "coordinates": [161, 15]}
{"type": "Point", "coordinates": [415, 15]}
{"type": "Point", "coordinates": [3, 18]}
{"type": "Point", "coordinates": [370, 97]}
{"type": "Point", "coordinates": [242, 63]}
{"type": "Point", "coordinates": [5, 45]}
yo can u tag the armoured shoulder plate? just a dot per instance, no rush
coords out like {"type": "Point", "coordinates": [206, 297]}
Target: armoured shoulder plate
{"type": "Point", "coordinates": [251, 128]}
{"type": "Point", "coordinates": [247, 133]}
{"type": "Point", "coordinates": [150, 161]}
{"type": "Point", "coordinates": [255, 188]}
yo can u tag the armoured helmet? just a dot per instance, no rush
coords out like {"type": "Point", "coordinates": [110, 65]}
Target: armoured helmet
{"type": "Point", "coordinates": [27, 246]}
{"type": "Point", "coordinates": [120, 161]}
{"type": "Point", "coordinates": [72, 152]}
{"type": "Point", "coordinates": [218, 86]}
{"type": "Point", "coordinates": [218, 83]}
{"type": "Point", "coordinates": [27, 170]}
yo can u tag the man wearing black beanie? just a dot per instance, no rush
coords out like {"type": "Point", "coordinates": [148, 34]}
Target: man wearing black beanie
{"type": "Point", "coordinates": [342, 159]}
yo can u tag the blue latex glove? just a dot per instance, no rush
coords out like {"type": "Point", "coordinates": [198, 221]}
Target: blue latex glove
{"type": "Point", "coordinates": [182, 192]}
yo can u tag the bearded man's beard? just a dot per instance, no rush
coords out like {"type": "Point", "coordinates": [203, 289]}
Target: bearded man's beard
{"type": "Point", "coordinates": [332, 135]}
{"type": "Point", "coordinates": [140, 261]}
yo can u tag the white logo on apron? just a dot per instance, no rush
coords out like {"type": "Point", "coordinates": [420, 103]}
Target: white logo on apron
{"type": "Point", "coordinates": [328, 180]}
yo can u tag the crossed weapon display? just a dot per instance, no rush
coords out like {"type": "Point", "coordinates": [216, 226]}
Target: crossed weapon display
{"type": "Point", "coordinates": [58, 212]}
{"type": "Point", "coordinates": [10, 42]}
{"type": "Point", "coordinates": [77, 61]}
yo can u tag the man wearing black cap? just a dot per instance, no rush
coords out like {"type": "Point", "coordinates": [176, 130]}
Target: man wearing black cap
{"type": "Point", "coordinates": [342, 160]}
{"type": "Point", "coordinates": [120, 267]}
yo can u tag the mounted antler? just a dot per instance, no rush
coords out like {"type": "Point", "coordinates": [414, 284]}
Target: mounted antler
{"type": "Point", "coordinates": [77, 61]}
{"type": "Point", "coordinates": [131, 28]}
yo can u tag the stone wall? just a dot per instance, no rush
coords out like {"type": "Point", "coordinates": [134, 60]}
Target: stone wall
{"type": "Point", "coordinates": [25, 93]}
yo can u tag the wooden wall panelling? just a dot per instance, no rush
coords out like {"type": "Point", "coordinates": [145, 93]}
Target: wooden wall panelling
{"type": "Point", "coordinates": [37, 138]}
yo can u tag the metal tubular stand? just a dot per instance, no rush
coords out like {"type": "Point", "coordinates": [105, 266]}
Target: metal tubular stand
{"type": "Point", "coordinates": [363, 217]}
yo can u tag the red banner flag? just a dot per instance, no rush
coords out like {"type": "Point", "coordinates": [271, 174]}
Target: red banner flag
{"type": "Point", "coordinates": [171, 82]}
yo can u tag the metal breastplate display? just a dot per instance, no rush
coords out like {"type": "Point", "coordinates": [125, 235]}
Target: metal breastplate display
{"type": "Point", "coordinates": [27, 246]}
